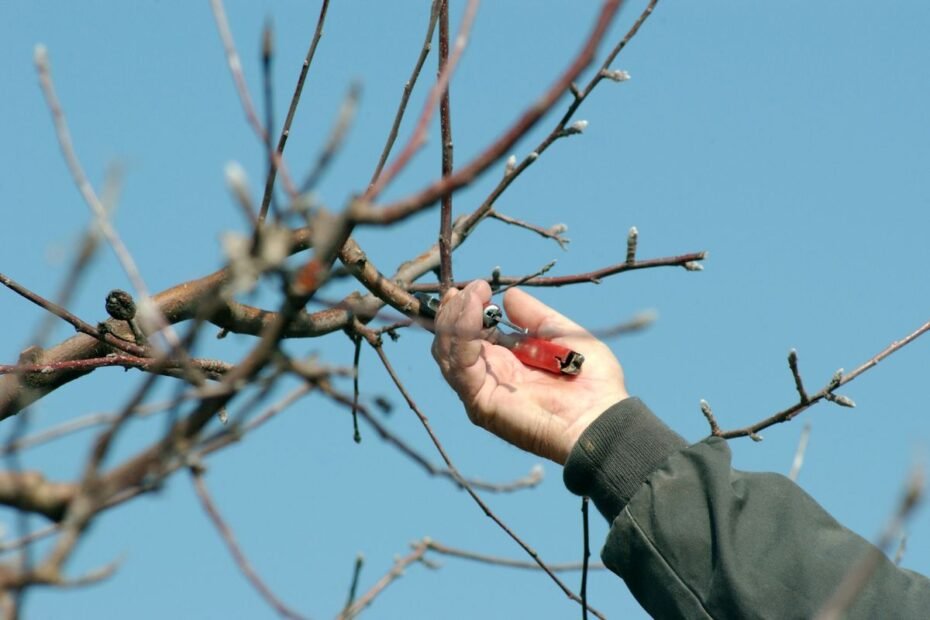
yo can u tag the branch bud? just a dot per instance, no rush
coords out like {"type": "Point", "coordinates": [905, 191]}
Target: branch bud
{"type": "Point", "coordinates": [40, 55]}
{"type": "Point", "coordinates": [693, 266]}
{"type": "Point", "coordinates": [120, 306]}
{"type": "Point", "coordinates": [632, 238]}
{"type": "Point", "coordinates": [576, 127]}
{"type": "Point", "coordinates": [617, 75]}
{"type": "Point", "coordinates": [510, 166]}
{"type": "Point", "coordinates": [267, 44]}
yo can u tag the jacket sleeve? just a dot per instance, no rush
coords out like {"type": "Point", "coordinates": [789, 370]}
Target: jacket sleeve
{"type": "Point", "coordinates": [694, 538]}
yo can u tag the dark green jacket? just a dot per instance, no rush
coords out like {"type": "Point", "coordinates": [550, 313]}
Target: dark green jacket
{"type": "Point", "coordinates": [694, 538]}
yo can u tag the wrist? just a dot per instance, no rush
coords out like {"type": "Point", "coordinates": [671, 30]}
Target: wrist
{"type": "Point", "coordinates": [580, 424]}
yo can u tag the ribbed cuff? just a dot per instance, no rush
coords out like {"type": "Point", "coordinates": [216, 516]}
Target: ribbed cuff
{"type": "Point", "coordinates": [616, 453]}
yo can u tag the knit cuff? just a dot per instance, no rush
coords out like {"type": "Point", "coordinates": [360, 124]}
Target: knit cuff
{"type": "Point", "coordinates": [616, 453]}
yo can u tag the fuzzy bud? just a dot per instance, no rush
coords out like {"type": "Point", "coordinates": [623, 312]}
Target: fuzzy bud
{"type": "Point", "coordinates": [617, 75]}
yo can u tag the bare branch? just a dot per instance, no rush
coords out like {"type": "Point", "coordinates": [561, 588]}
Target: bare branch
{"type": "Point", "coordinates": [408, 88]}
{"type": "Point", "coordinates": [291, 110]}
{"type": "Point", "coordinates": [468, 489]}
{"type": "Point", "coordinates": [418, 137]}
{"type": "Point", "coordinates": [407, 206]}
{"type": "Point", "coordinates": [336, 138]}
{"type": "Point", "coordinates": [242, 89]}
{"type": "Point", "coordinates": [827, 392]}
{"type": "Point", "coordinates": [235, 550]}
{"type": "Point", "coordinates": [506, 562]}
{"type": "Point", "coordinates": [400, 564]}
{"type": "Point", "coordinates": [553, 232]}
{"type": "Point", "coordinates": [594, 276]}
{"type": "Point", "coordinates": [858, 576]}
{"type": "Point", "coordinates": [585, 555]}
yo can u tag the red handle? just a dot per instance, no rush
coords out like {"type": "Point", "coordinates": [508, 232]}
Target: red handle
{"type": "Point", "coordinates": [542, 354]}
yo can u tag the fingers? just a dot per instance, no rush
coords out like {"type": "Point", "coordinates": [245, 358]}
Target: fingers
{"type": "Point", "coordinates": [458, 343]}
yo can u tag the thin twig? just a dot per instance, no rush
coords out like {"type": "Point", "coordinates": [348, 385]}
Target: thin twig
{"type": "Point", "coordinates": [400, 564]}
{"type": "Point", "coordinates": [798, 382]}
{"type": "Point", "coordinates": [793, 411]}
{"type": "Point", "coordinates": [418, 137]}
{"type": "Point", "coordinates": [529, 481]}
{"type": "Point", "coordinates": [353, 586]}
{"type": "Point", "coordinates": [408, 89]}
{"type": "Point", "coordinates": [357, 341]}
{"type": "Point", "coordinates": [291, 110]}
{"type": "Point", "coordinates": [514, 170]}
{"type": "Point", "coordinates": [553, 232]}
{"type": "Point", "coordinates": [711, 420]}
{"type": "Point", "coordinates": [242, 562]}
{"type": "Point", "coordinates": [242, 89]}
{"type": "Point", "coordinates": [506, 562]}
{"type": "Point", "coordinates": [150, 314]}
{"type": "Point", "coordinates": [586, 554]}
{"type": "Point", "coordinates": [594, 276]}
{"type": "Point", "coordinates": [523, 280]}
{"type": "Point", "coordinates": [445, 123]}
{"type": "Point", "coordinates": [468, 489]}
{"type": "Point", "coordinates": [336, 138]}
{"type": "Point", "coordinates": [78, 324]}
{"type": "Point", "coordinates": [267, 58]}
{"type": "Point", "coordinates": [407, 206]}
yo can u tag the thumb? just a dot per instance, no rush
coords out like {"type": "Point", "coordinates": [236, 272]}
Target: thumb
{"type": "Point", "coordinates": [541, 320]}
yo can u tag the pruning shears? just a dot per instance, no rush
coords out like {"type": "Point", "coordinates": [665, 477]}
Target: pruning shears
{"type": "Point", "coordinates": [531, 351]}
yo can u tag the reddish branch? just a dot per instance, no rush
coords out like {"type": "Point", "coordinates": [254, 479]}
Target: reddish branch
{"type": "Point", "coordinates": [408, 88]}
{"type": "Point", "coordinates": [418, 137]}
{"type": "Point", "coordinates": [365, 213]}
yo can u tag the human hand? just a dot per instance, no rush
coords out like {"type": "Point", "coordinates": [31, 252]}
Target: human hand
{"type": "Point", "coordinates": [533, 409]}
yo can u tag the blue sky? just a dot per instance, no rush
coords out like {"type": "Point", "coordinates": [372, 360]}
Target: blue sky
{"type": "Point", "coordinates": [787, 139]}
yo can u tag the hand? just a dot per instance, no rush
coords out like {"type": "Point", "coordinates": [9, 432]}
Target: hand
{"type": "Point", "coordinates": [533, 409]}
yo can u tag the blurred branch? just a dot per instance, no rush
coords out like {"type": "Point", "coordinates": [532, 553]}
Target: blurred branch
{"type": "Point", "coordinates": [858, 576]}
{"type": "Point", "coordinates": [405, 207]}
{"type": "Point", "coordinates": [400, 564]}
{"type": "Point", "coordinates": [798, 461]}
{"type": "Point", "coordinates": [408, 88]}
{"type": "Point", "coordinates": [418, 137]}
{"type": "Point", "coordinates": [376, 345]}
{"type": "Point", "coordinates": [242, 89]}
{"type": "Point", "coordinates": [289, 119]}
{"type": "Point", "coordinates": [229, 539]}
{"type": "Point", "coordinates": [442, 549]}
{"type": "Point", "coordinates": [336, 138]}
